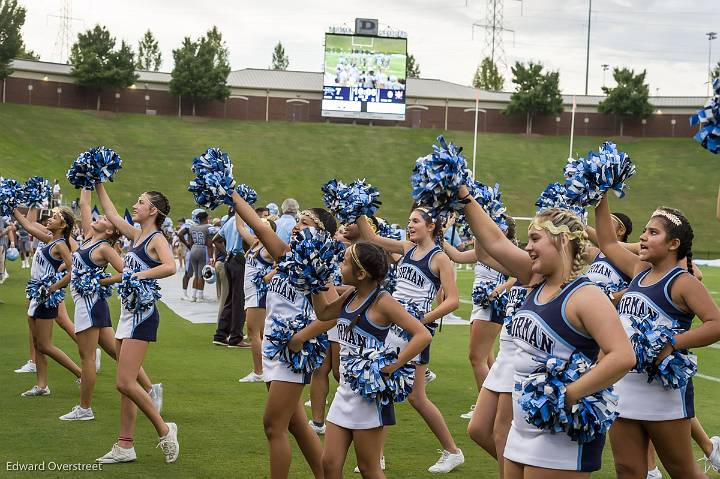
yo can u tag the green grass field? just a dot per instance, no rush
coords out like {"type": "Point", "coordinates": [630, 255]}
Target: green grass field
{"type": "Point", "coordinates": [295, 159]}
{"type": "Point", "coordinates": [220, 426]}
{"type": "Point", "coordinates": [397, 65]}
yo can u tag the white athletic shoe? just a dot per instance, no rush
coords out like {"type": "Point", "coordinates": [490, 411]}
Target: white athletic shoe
{"type": "Point", "coordinates": [253, 377]}
{"type": "Point", "coordinates": [4, 277]}
{"type": "Point", "coordinates": [713, 462]}
{"type": "Point", "coordinates": [169, 443]}
{"type": "Point", "coordinates": [429, 376]}
{"type": "Point", "coordinates": [319, 430]}
{"type": "Point", "coordinates": [78, 414]}
{"type": "Point", "coordinates": [447, 462]}
{"type": "Point", "coordinates": [98, 355]}
{"type": "Point", "coordinates": [654, 474]}
{"type": "Point", "coordinates": [382, 465]}
{"type": "Point", "coordinates": [469, 414]}
{"type": "Point", "coordinates": [28, 367]}
{"type": "Point", "coordinates": [156, 394]}
{"type": "Point", "coordinates": [117, 454]}
{"type": "Point", "coordinates": [36, 391]}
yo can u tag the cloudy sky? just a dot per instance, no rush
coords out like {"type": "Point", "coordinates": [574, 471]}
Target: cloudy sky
{"type": "Point", "coordinates": [666, 37]}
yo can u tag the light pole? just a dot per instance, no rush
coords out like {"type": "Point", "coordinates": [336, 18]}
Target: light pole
{"type": "Point", "coordinates": [711, 36]}
{"type": "Point", "coordinates": [605, 67]}
{"type": "Point", "coordinates": [587, 51]}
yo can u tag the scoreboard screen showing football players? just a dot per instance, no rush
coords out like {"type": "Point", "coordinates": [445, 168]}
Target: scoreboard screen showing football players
{"type": "Point", "coordinates": [364, 77]}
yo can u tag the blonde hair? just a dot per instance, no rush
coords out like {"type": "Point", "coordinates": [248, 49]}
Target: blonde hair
{"type": "Point", "coordinates": [558, 222]}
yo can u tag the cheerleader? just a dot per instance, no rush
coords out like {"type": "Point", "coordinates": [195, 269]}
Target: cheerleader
{"type": "Point", "coordinates": [149, 258]}
{"type": "Point", "coordinates": [659, 285]}
{"type": "Point", "coordinates": [422, 271]}
{"type": "Point", "coordinates": [92, 314]}
{"type": "Point", "coordinates": [258, 271]}
{"type": "Point", "coordinates": [284, 411]}
{"type": "Point", "coordinates": [562, 314]}
{"type": "Point", "coordinates": [48, 260]}
{"type": "Point", "coordinates": [364, 315]}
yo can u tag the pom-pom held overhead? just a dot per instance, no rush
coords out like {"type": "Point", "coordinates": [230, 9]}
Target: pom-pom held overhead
{"type": "Point", "coordinates": [490, 198]}
{"type": "Point", "coordinates": [590, 177]}
{"type": "Point", "coordinates": [86, 282]}
{"type": "Point", "coordinates": [708, 118]}
{"type": "Point", "coordinates": [39, 290]}
{"type": "Point", "coordinates": [311, 261]}
{"type": "Point", "coordinates": [437, 177]}
{"type": "Point", "coordinates": [555, 196]}
{"type": "Point", "coordinates": [11, 194]}
{"type": "Point", "coordinates": [247, 193]}
{"type": "Point", "coordinates": [213, 184]}
{"type": "Point", "coordinates": [138, 295]}
{"type": "Point", "coordinates": [313, 351]}
{"type": "Point", "coordinates": [362, 371]}
{"type": "Point", "coordinates": [349, 202]}
{"type": "Point", "coordinates": [35, 192]}
{"type": "Point", "coordinates": [542, 397]}
{"type": "Point", "coordinates": [97, 165]}
{"type": "Point", "coordinates": [387, 231]}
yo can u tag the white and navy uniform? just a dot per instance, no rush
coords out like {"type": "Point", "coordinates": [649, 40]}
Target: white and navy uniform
{"type": "Point", "coordinates": [44, 264]}
{"type": "Point", "coordinates": [417, 283]}
{"type": "Point", "coordinates": [484, 273]}
{"type": "Point", "coordinates": [602, 271]}
{"type": "Point", "coordinates": [90, 311]}
{"type": "Point", "coordinates": [349, 409]}
{"type": "Point", "coordinates": [285, 301]}
{"type": "Point", "coordinates": [139, 326]}
{"type": "Point", "coordinates": [639, 399]}
{"type": "Point", "coordinates": [255, 264]}
{"type": "Point", "coordinates": [501, 377]}
{"type": "Point", "coordinates": [540, 330]}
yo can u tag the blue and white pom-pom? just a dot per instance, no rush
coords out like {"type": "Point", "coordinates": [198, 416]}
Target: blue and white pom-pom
{"type": "Point", "coordinates": [86, 281]}
{"type": "Point", "coordinates": [611, 288]}
{"type": "Point", "coordinates": [311, 261]}
{"type": "Point", "coordinates": [588, 178]}
{"type": "Point", "coordinates": [305, 361]}
{"type": "Point", "coordinates": [490, 198]}
{"type": "Point", "coordinates": [387, 231]}
{"type": "Point", "coordinates": [213, 184]}
{"type": "Point", "coordinates": [481, 297]}
{"type": "Point", "coordinates": [542, 397]}
{"type": "Point", "coordinates": [512, 307]}
{"type": "Point", "coordinates": [349, 202]}
{"type": "Point", "coordinates": [247, 193]}
{"type": "Point", "coordinates": [39, 290]}
{"type": "Point", "coordinates": [138, 295]}
{"type": "Point", "coordinates": [11, 194]}
{"type": "Point", "coordinates": [97, 165]}
{"type": "Point", "coordinates": [35, 192]}
{"type": "Point", "coordinates": [437, 177]}
{"type": "Point", "coordinates": [362, 371]}
{"type": "Point", "coordinates": [414, 311]}
{"type": "Point", "coordinates": [649, 339]}
{"type": "Point", "coordinates": [259, 281]}
{"type": "Point", "coordinates": [390, 282]}
{"type": "Point", "coordinates": [555, 196]}
{"type": "Point", "coordinates": [709, 120]}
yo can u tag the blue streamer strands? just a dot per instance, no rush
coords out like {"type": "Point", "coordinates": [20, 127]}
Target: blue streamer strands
{"type": "Point", "coordinates": [708, 118]}
{"type": "Point", "coordinates": [247, 193]}
{"type": "Point", "coordinates": [437, 177]}
{"type": "Point", "coordinates": [305, 361]}
{"type": "Point", "coordinates": [362, 371]}
{"type": "Point", "coordinates": [649, 339]}
{"type": "Point", "coordinates": [611, 288]}
{"type": "Point", "coordinates": [86, 282]}
{"type": "Point", "coordinates": [97, 165]}
{"type": "Point", "coordinates": [349, 202]}
{"type": "Point", "coordinates": [39, 290]}
{"type": "Point", "coordinates": [511, 307]}
{"type": "Point", "coordinates": [311, 261]}
{"type": "Point", "coordinates": [138, 295]}
{"type": "Point", "coordinates": [390, 282]}
{"type": "Point", "coordinates": [490, 198]}
{"type": "Point", "coordinates": [387, 231]}
{"type": "Point", "coordinates": [35, 192]}
{"type": "Point", "coordinates": [543, 400]}
{"type": "Point", "coordinates": [11, 193]}
{"type": "Point", "coordinates": [213, 184]}
{"type": "Point", "coordinates": [590, 177]}
{"type": "Point", "coordinates": [414, 311]}
{"type": "Point", "coordinates": [258, 280]}
{"type": "Point", "coordinates": [555, 196]}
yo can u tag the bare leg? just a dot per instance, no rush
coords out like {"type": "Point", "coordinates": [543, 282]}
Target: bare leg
{"type": "Point", "coordinates": [367, 448]}
{"type": "Point", "coordinates": [482, 339]}
{"type": "Point", "coordinates": [629, 442]}
{"type": "Point", "coordinates": [673, 446]}
{"type": "Point", "coordinates": [482, 422]}
{"type": "Point", "coordinates": [63, 320]}
{"type": "Point", "coordinates": [255, 322]}
{"type": "Point", "coordinates": [107, 342]}
{"type": "Point", "coordinates": [503, 420]}
{"type": "Point", "coordinates": [700, 436]}
{"type": "Point", "coordinates": [87, 343]}
{"type": "Point", "coordinates": [652, 463]}
{"type": "Point", "coordinates": [44, 345]}
{"type": "Point", "coordinates": [307, 440]}
{"type": "Point", "coordinates": [337, 443]}
{"type": "Point", "coordinates": [40, 359]}
{"type": "Point", "coordinates": [319, 387]}
{"type": "Point", "coordinates": [429, 412]}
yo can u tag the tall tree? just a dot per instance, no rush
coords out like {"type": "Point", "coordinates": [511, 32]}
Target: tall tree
{"type": "Point", "coordinates": [629, 98]}
{"type": "Point", "coordinates": [536, 93]}
{"type": "Point", "coordinates": [280, 60]}
{"type": "Point", "coordinates": [97, 64]}
{"type": "Point", "coordinates": [413, 67]}
{"type": "Point", "coordinates": [149, 57]}
{"type": "Point", "coordinates": [201, 69]}
{"type": "Point", "coordinates": [487, 76]}
{"type": "Point", "coordinates": [26, 54]}
{"type": "Point", "coordinates": [12, 18]}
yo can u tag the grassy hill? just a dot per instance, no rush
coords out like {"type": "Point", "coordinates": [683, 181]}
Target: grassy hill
{"type": "Point", "coordinates": [294, 159]}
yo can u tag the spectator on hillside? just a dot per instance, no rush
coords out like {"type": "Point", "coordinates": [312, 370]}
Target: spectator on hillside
{"type": "Point", "coordinates": [273, 209]}
{"type": "Point", "coordinates": [262, 212]}
{"type": "Point", "coordinates": [288, 220]}
{"type": "Point", "coordinates": [56, 194]}
{"type": "Point", "coordinates": [7, 238]}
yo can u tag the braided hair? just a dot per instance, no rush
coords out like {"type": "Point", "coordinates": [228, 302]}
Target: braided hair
{"type": "Point", "coordinates": [678, 227]}
{"type": "Point", "coordinates": [558, 222]}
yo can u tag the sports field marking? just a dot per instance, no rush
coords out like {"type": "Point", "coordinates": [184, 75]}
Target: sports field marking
{"type": "Point", "coordinates": [709, 378]}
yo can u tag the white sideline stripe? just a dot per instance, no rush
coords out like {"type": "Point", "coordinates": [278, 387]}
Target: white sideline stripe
{"type": "Point", "coordinates": [709, 378]}
{"type": "Point", "coordinates": [714, 346]}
